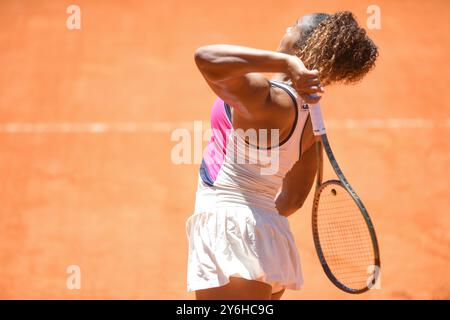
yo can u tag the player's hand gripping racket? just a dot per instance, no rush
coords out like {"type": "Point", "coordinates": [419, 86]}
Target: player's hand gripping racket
{"type": "Point", "coordinates": [344, 236]}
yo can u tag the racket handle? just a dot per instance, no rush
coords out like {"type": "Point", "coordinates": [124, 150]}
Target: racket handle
{"type": "Point", "coordinates": [316, 119]}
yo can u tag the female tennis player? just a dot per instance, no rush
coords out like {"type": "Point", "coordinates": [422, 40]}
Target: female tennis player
{"type": "Point", "coordinates": [259, 165]}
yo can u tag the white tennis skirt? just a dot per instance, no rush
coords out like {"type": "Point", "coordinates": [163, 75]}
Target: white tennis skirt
{"type": "Point", "coordinates": [240, 241]}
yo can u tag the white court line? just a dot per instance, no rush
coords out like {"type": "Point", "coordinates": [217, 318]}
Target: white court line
{"type": "Point", "coordinates": [94, 127]}
{"type": "Point", "coordinates": [390, 123]}
{"type": "Point", "coordinates": [168, 127]}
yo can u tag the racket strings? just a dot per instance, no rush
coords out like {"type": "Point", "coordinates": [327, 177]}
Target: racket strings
{"type": "Point", "coordinates": [344, 237]}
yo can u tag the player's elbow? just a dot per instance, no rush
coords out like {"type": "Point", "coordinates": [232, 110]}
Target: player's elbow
{"type": "Point", "coordinates": [200, 56]}
{"type": "Point", "coordinates": [207, 62]}
{"type": "Point", "coordinates": [204, 57]}
{"type": "Point", "coordinates": [297, 202]}
{"type": "Point", "coordinates": [288, 204]}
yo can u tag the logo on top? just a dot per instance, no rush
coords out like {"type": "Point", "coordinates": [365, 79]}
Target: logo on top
{"type": "Point", "coordinates": [305, 106]}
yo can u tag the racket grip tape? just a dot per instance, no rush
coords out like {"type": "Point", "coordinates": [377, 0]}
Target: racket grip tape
{"type": "Point", "coordinates": [316, 119]}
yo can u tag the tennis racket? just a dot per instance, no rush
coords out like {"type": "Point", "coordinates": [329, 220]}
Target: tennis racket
{"type": "Point", "coordinates": [343, 233]}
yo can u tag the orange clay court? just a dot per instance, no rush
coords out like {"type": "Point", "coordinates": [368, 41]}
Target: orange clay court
{"type": "Point", "coordinates": [85, 138]}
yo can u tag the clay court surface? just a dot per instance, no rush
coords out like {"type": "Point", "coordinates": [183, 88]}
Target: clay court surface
{"type": "Point", "coordinates": [85, 141]}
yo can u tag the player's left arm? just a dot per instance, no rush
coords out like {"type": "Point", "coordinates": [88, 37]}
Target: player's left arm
{"type": "Point", "coordinates": [299, 180]}
{"type": "Point", "coordinates": [297, 183]}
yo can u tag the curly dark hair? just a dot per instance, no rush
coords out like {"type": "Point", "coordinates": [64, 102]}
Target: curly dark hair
{"type": "Point", "coordinates": [338, 48]}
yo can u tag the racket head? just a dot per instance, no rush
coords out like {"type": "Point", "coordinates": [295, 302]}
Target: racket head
{"type": "Point", "coordinates": [344, 238]}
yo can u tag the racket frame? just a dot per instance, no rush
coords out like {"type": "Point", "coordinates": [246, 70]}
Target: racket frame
{"type": "Point", "coordinates": [323, 143]}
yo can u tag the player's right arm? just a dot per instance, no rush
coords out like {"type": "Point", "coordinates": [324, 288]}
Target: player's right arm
{"type": "Point", "coordinates": [233, 73]}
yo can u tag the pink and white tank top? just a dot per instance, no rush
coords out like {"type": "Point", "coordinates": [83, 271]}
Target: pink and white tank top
{"type": "Point", "coordinates": [235, 172]}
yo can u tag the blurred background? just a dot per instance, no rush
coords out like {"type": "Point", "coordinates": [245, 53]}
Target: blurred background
{"type": "Point", "coordinates": [86, 117]}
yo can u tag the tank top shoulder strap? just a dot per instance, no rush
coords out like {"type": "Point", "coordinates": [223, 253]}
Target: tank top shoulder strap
{"type": "Point", "coordinates": [302, 110]}
{"type": "Point", "coordinates": [289, 90]}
